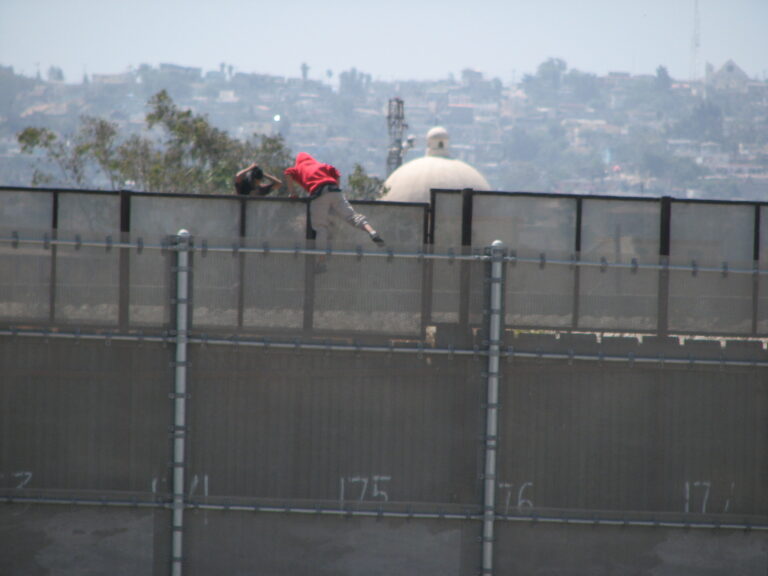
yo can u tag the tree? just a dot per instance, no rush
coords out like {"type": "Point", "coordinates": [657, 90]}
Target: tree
{"type": "Point", "coordinates": [663, 80]}
{"type": "Point", "coordinates": [544, 87]}
{"type": "Point", "coordinates": [55, 74]}
{"type": "Point", "coordinates": [361, 186]}
{"type": "Point", "coordinates": [186, 154]}
{"type": "Point", "coordinates": [60, 152]}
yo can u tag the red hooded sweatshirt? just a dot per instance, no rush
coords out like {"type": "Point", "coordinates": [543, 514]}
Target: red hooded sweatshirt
{"type": "Point", "coordinates": [311, 174]}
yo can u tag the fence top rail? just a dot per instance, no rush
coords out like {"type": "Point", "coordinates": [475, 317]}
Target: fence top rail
{"type": "Point", "coordinates": [577, 196]}
{"type": "Point", "coordinates": [227, 197]}
{"type": "Point", "coordinates": [678, 358]}
{"type": "Point", "coordinates": [235, 247]}
{"type": "Point", "coordinates": [475, 254]}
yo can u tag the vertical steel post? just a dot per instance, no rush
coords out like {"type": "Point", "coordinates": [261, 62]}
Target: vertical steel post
{"type": "Point", "coordinates": [496, 252]}
{"type": "Point", "coordinates": [179, 398]}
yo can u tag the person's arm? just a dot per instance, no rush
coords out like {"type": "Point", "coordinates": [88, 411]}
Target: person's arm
{"type": "Point", "coordinates": [242, 172]}
{"type": "Point", "coordinates": [292, 187]}
{"type": "Point", "coordinates": [275, 181]}
{"type": "Point", "coordinates": [267, 188]}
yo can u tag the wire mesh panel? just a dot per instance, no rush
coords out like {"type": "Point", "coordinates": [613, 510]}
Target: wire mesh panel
{"type": "Point", "coordinates": [720, 237]}
{"type": "Point", "coordinates": [527, 225]}
{"type": "Point", "coordinates": [373, 295]}
{"type": "Point", "coordinates": [70, 540]}
{"type": "Point", "coordinates": [203, 217]}
{"type": "Point", "coordinates": [216, 284]}
{"type": "Point", "coordinates": [87, 282]}
{"type": "Point", "coordinates": [26, 210]}
{"type": "Point", "coordinates": [80, 417]}
{"type": "Point", "coordinates": [540, 548]}
{"type": "Point", "coordinates": [446, 275]}
{"type": "Point", "coordinates": [25, 277]}
{"type": "Point", "coordinates": [539, 229]}
{"type": "Point", "coordinates": [274, 290]}
{"type": "Point", "coordinates": [89, 213]}
{"type": "Point", "coordinates": [619, 232]}
{"type": "Point", "coordinates": [339, 430]}
{"type": "Point", "coordinates": [761, 321]}
{"type": "Point", "coordinates": [400, 225]}
{"type": "Point", "coordinates": [329, 546]}
{"type": "Point", "coordinates": [153, 219]}
{"type": "Point", "coordinates": [150, 282]}
{"type": "Point", "coordinates": [447, 208]}
{"type": "Point", "coordinates": [629, 437]}
{"type": "Point", "coordinates": [278, 223]}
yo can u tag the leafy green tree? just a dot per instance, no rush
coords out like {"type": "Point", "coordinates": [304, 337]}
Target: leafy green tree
{"type": "Point", "coordinates": [184, 153]}
{"type": "Point", "coordinates": [65, 154]}
{"type": "Point", "coordinates": [361, 186]}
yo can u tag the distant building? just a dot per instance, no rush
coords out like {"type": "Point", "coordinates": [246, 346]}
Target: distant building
{"type": "Point", "coordinates": [412, 181]}
{"type": "Point", "coordinates": [730, 77]}
{"type": "Point", "coordinates": [113, 79]}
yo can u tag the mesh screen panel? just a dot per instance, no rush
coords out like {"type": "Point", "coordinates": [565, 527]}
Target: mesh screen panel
{"type": "Point", "coordinates": [712, 302]}
{"type": "Point", "coordinates": [87, 284]}
{"type": "Point", "coordinates": [329, 546]}
{"type": "Point", "coordinates": [274, 288]}
{"type": "Point", "coordinates": [90, 214]}
{"type": "Point", "coordinates": [372, 295]}
{"type": "Point", "coordinates": [762, 281]}
{"type": "Point", "coordinates": [446, 291]}
{"type": "Point", "coordinates": [202, 217]}
{"type": "Point", "coordinates": [401, 226]}
{"type": "Point", "coordinates": [446, 276]}
{"type": "Point", "coordinates": [84, 416]}
{"type": "Point", "coordinates": [216, 282]}
{"type": "Point", "coordinates": [26, 209]}
{"type": "Point", "coordinates": [447, 216]}
{"type": "Point", "coordinates": [362, 429]}
{"type": "Point", "coordinates": [538, 548]}
{"type": "Point", "coordinates": [527, 225]}
{"type": "Point", "coordinates": [280, 223]}
{"type": "Point", "coordinates": [70, 540]}
{"type": "Point", "coordinates": [711, 235]}
{"type": "Point", "coordinates": [539, 294]}
{"type": "Point", "coordinates": [25, 280]}
{"type": "Point", "coordinates": [616, 232]}
{"type": "Point", "coordinates": [618, 299]}
{"type": "Point", "coordinates": [531, 227]}
{"type": "Point", "coordinates": [150, 282]}
{"type": "Point", "coordinates": [602, 437]}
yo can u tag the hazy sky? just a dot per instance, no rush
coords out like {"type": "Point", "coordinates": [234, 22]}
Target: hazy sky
{"type": "Point", "coordinates": [391, 40]}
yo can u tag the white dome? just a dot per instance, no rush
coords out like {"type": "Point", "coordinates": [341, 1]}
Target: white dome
{"type": "Point", "coordinates": [412, 181]}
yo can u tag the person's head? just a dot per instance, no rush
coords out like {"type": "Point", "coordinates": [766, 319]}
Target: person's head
{"type": "Point", "coordinates": [256, 172]}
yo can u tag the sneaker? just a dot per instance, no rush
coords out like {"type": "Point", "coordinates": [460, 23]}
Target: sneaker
{"type": "Point", "coordinates": [377, 239]}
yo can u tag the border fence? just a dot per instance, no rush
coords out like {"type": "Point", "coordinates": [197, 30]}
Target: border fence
{"type": "Point", "coordinates": [517, 384]}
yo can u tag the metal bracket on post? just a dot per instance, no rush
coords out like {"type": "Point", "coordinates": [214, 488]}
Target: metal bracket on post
{"type": "Point", "coordinates": [183, 244]}
{"type": "Point", "coordinates": [497, 253]}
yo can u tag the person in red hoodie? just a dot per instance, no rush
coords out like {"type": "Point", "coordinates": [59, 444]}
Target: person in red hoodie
{"type": "Point", "coordinates": [321, 182]}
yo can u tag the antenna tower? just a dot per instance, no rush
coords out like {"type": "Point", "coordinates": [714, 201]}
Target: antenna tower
{"type": "Point", "coordinates": [695, 42]}
{"type": "Point", "coordinates": [397, 126]}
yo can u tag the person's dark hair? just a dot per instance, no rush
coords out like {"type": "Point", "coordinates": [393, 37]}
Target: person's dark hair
{"type": "Point", "coordinates": [257, 173]}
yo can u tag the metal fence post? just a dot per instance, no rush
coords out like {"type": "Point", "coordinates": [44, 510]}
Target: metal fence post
{"type": "Point", "coordinates": [497, 252]}
{"type": "Point", "coordinates": [179, 398]}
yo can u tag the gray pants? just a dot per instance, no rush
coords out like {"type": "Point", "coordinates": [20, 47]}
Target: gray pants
{"type": "Point", "coordinates": [320, 211]}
